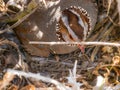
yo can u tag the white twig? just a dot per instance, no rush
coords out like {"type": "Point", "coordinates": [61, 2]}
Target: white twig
{"type": "Point", "coordinates": [72, 78]}
{"type": "Point", "coordinates": [18, 22]}
{"type": "Point", "coordinates": [118, 5]}
{"type": "Point", "coordinates": [76, 43]}
{"type": "Point", "coordinates": [109, 4]}
{"type": "Point", "coordinates": [38, 77]}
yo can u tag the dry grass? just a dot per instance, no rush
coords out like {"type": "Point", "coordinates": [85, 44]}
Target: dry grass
{"type": "Point", "coordinates": [98, 68]}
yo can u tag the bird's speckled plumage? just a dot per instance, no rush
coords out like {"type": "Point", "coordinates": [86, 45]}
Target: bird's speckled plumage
{"type": "Point", "coordinates": [41, 26]}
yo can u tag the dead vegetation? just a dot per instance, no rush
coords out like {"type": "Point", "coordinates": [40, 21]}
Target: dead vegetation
{"type": "Point", "coordinates": [97, 69]}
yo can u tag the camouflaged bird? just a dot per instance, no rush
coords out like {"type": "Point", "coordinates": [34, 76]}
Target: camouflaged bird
{"type": "Point", "coordinates": [66, 20]}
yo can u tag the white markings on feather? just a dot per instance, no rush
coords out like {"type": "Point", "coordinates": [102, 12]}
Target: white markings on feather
{"type": "Point", "coordinates": [81, 21]}
{"type": "Point", "coordinates": [65, 20]}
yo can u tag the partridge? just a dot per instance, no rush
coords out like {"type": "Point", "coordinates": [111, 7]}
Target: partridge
{"type": "Point", "coordinates": [66, 20]}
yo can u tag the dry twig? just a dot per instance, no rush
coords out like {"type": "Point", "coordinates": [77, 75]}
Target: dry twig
{"type": "Point", "coordinates": [77, 43]}
{"type": "Point", "coordinates": [38, 77]}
